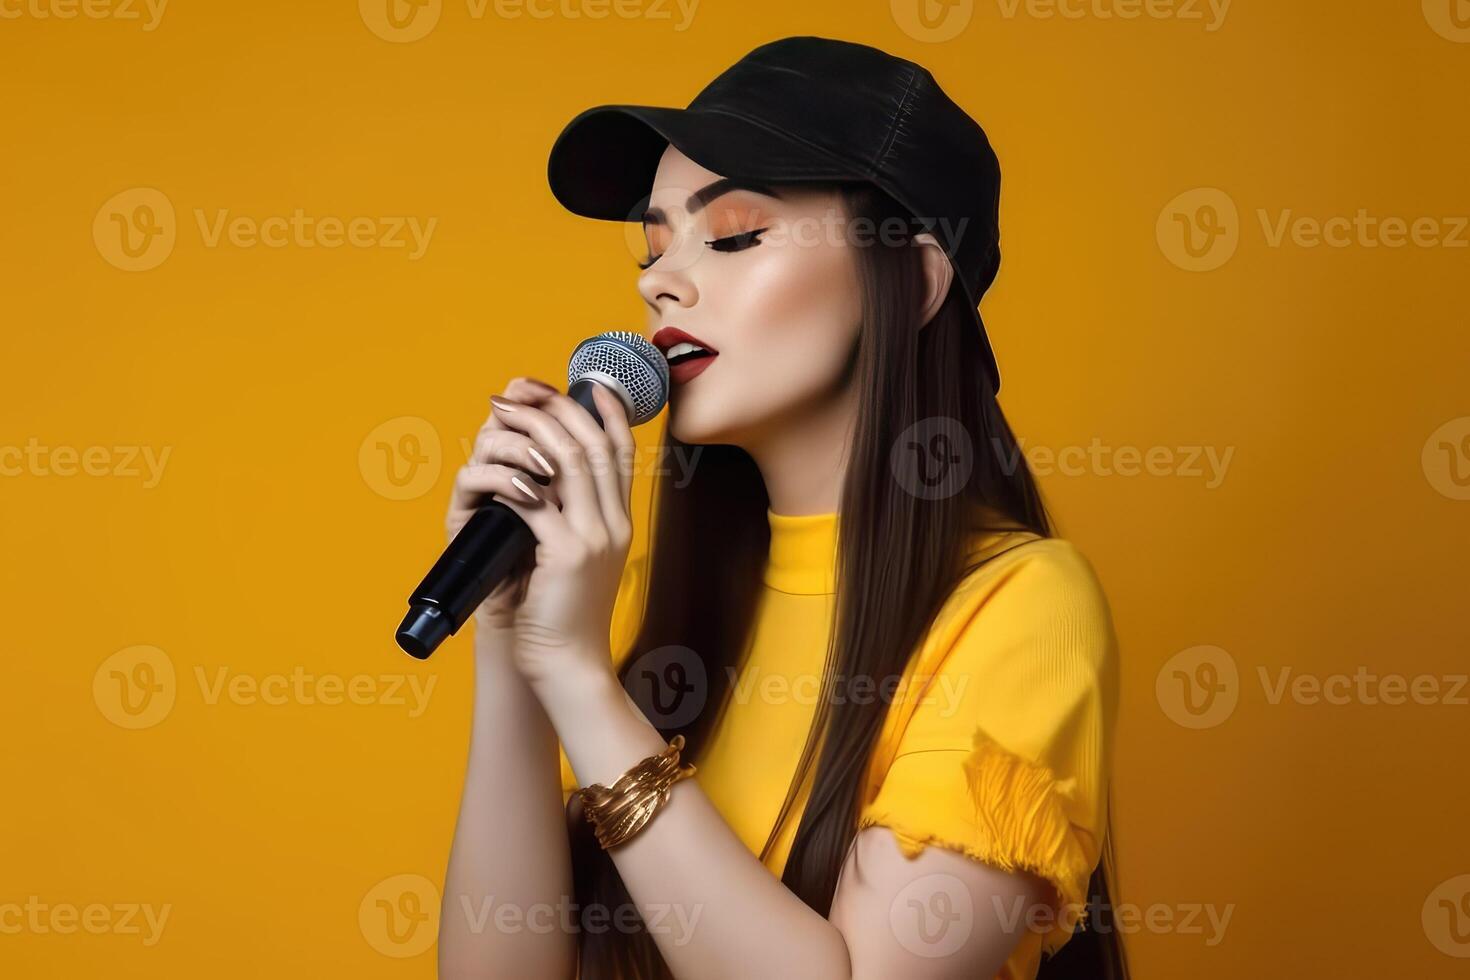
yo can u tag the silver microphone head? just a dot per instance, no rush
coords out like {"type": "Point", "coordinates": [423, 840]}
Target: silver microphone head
{"type": "Point", "coordinates": [629, 366]}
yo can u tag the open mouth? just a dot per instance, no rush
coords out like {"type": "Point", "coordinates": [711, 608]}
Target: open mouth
{"type": "Point", "coordinates": [686, 354]}
{"type": "Point", "coordinates": [685, 366]}
{"type": "Point", "coordinates": [683, 353]}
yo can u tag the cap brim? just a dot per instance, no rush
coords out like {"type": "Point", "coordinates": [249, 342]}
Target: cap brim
{"type": "Point", "coordinates": [603, 163]}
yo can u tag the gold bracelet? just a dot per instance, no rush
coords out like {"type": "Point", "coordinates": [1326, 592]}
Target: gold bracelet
{"type": "Point", "coordinates": [619, 811]}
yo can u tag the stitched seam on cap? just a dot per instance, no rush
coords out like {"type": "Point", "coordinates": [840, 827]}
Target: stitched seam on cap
{"type": "Point", "coordinates": [902, 111]}
{"type": "Point", "coordinates": [844, 164]}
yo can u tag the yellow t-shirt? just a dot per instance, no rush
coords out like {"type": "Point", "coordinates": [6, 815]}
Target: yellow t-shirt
{"type": "Point", "coordinates": [997, 743]}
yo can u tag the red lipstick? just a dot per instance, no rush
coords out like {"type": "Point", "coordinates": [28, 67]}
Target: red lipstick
{"type": "Point", "coordinates": [688, 364]}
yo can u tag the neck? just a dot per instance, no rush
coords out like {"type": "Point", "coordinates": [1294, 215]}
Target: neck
{"type": "Point", "coordinates": [803, 464]}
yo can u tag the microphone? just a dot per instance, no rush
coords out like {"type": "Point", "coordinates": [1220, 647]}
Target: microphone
{"type": "Point", "coordinates": [495, 539]}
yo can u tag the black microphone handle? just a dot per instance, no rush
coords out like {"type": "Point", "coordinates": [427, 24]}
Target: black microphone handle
{"type": "Point", "coordinates": [487, 549]}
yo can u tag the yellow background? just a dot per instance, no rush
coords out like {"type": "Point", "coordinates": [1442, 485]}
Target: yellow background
{"type": "Point", "coordinates": [1334, 541]}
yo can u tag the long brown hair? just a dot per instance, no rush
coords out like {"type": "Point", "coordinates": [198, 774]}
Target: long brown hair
{"type": "Point", "coordinates": [900, 554]}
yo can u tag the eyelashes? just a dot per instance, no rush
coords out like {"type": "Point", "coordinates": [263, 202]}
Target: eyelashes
{"type": "Point", "coordinates": [730, 243]}
{"type": "Point", "coordinates": [737, 243]}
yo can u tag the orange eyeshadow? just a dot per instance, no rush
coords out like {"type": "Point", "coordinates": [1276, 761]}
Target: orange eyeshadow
{"type": "Point", "coordinates": [658, 238]}
{"type": "Point", "coordinates": [726, 220]}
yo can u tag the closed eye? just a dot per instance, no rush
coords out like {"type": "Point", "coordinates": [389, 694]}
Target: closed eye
{"type": "Point", "coordinates": [737, 243]}
{"type": "Point", "coordinates": [730, 243]}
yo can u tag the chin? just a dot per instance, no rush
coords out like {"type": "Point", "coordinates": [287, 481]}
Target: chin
{"type": "Point", "coordinates": [689, 430]}
{"type": "Point", "coordinates": [698, 424]}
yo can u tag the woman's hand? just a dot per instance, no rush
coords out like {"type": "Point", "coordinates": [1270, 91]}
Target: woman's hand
{"type": "Point", "coordinates": [561, 612]}
{"type": "Point", "coordinates": [501, 458]}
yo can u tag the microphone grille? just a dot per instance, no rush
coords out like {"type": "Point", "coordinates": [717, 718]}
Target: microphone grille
{"type": "Point", "coordinates": [632, 362]}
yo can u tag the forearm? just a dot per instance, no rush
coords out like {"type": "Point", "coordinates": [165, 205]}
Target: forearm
{"type": "Point", "coordinates": [719, 911]}
{"type": "Point", "coordinates": [510, 844]}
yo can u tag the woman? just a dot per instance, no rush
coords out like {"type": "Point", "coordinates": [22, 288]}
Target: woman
{"type": "Point", "coordinates": [895, 689]}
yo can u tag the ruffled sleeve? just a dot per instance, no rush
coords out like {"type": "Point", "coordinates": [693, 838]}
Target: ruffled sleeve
{"type": "Point", "coordinates": [998, 744]}
{"type": "Point", "coordinates": [627, 616]}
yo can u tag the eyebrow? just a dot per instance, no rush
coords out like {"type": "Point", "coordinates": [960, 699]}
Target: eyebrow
{"type": "Point", "coordinates": [702, 197]}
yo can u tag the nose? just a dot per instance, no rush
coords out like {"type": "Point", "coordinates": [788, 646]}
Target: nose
{"type": "Point", "coordinates": [667, 288]}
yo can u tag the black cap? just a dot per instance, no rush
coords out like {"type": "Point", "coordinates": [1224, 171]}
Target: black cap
{"type": "Point", "coordinates": [806, 108]}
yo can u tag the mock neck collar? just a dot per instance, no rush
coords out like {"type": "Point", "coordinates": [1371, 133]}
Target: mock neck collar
{"type": "Point", "coordinates": [803, 554]}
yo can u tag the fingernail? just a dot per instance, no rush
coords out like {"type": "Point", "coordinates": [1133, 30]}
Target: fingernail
{"type": "Point", "coordinates": [523, 488]}
{"type": "Point", "coordinates": [541, 461]}
{"type": "Point", "coordinates": [502, 405]}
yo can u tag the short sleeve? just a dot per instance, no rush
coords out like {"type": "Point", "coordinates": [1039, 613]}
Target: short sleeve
{"type": "Point", "coordinates": [627, 616]}
{"type": "Point", "coordinates": [999, 744]}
